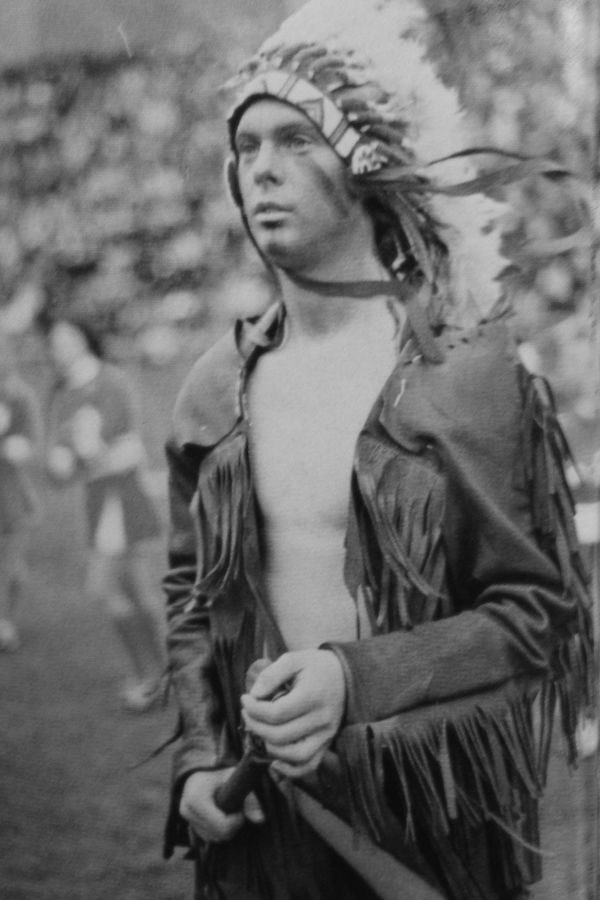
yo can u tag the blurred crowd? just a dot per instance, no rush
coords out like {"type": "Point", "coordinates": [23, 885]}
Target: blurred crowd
{"type": "Point", "coordinates": [112, 206]}
{"type": "Point", "coordinates": [111, 193]}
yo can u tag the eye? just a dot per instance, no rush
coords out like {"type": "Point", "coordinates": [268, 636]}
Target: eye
{"type": "Point", "coordinates": [299, 141]}
{"type": "Point", "coordinates": [246, 147]}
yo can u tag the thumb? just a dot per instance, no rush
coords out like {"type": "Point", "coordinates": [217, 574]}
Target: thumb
{"type": "Point", "coordinates": [274, 677]}
{"type": "Point", "coordinates": [253, 810]}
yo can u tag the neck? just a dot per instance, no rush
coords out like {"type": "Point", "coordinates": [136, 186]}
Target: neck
{"type": "Point", "coordinates": [310, 314]}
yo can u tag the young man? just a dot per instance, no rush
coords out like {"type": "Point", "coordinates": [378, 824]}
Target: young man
{"type": "Point", "coordinates": [358, 494]}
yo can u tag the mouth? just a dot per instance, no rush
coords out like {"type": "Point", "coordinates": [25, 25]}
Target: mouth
{"type": "Point", "coordinates": [269, 213]}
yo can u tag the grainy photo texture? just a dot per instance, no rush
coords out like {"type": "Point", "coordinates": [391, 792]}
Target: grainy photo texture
{"type": "Point", "coordinates": [299, 449]}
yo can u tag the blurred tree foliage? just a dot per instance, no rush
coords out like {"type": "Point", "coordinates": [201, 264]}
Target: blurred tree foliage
{"type": "Point", "coordinates": [111, 195]}
{"type": "Point", "coordinates": [527, 72]}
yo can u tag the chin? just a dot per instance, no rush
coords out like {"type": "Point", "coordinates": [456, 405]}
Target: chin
{"type": "Point", "coordinates": [283, 253]}
{"type": "Point", "coordinates": [277, 251]}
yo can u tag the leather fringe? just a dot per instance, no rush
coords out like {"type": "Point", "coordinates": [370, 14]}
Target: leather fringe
{"type": "Point", "coordinates": [407, 571]}
{"type": "Point", "coordinates": [223, 493]}
{"type": "Point", "coordinates": [450, 771]}
{"type": "Point", "coordinates": [546, 451]}
{"type": "Point", "coordinates": [472, 766]}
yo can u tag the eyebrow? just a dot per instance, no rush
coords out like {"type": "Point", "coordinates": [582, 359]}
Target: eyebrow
{"type": "Point", "coordinates": [283, 130]}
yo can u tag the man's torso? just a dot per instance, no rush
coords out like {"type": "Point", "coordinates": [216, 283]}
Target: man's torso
{"type": "Point", "coordinates": [307, 405]}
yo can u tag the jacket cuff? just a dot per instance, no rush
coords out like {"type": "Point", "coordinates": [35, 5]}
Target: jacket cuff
{"type": "Point", "coordinates": [370, 697]}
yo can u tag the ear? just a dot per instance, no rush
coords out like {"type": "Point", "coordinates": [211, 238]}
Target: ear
{"type": "Point", "coordinates": [232, 180]}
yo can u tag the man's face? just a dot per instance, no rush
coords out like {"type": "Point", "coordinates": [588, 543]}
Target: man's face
{"type": "Point", "coordinates": [294, 187]}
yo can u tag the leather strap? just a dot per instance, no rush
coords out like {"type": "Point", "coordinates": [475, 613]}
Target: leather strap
{"type": "Point", "coordinates": [415, 302]}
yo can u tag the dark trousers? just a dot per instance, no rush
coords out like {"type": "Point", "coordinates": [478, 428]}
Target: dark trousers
{"type": "Point", "coordinates": [284, 859]}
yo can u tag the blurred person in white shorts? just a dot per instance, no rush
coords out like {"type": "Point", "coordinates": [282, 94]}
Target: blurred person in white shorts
{"type": "Point", "coordinates": [94, 436]}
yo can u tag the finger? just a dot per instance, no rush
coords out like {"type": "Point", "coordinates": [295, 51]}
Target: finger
{"type": "Point", "coordinates": [275, 676]}
{"type": "Point", "coordinates": [286, 733]}
{"type": "Point", "coordinates": [275, 712]}
{"type": "Point", "coordinates": [216, 835]}
{"type": "Point", "coordinates": [199, 809]}
{"type": "Point", "coordinates": [203, 814]}
{"type": "Point", "coordinates": [293, 772]}
{"type": "Point", "coordinates": [253, 810]}
{"type": "Point", "coordinates": [214, 827]}
{"type": "Point", "coordinates": [298, 754]}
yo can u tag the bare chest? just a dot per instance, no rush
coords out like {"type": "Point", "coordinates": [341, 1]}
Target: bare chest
{"type": "Point", "coordinates": [306, 411]}
{"type": "Point", "coordinates": [306, 416]}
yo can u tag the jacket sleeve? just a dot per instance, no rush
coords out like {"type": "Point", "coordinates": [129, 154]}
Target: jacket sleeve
{"type": "Point", "coordinates": [188, 642]}
{"type": "Point", "coordinates": [449, 722]}
{"type": "Point", "coordinates": [516, 584]}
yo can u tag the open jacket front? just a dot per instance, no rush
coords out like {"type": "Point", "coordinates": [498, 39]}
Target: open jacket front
{"type": "Point", "coordinates": [459, 541]}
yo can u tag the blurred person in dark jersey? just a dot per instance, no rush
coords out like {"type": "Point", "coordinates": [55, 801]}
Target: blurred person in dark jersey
{"type": "Point", "coordinates": [20, 436]}
{"type": "Point", "coordinates": [94, 435]}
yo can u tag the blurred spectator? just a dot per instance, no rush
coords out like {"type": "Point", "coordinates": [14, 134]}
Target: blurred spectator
{"type": "Point", "coordinates": [19, 444]}
{"type": "Point", "coordinates": [93, 435]}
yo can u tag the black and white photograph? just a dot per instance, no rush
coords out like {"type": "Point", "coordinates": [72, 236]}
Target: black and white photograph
{"type": "Point", "coordinates": [299, 449]}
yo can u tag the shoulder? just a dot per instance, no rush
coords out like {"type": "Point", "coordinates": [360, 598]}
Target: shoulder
{"type": "Point", "coordinates": [475, 391]}
{"type": "Point", "coordinates": [481, 373]}
{"type": "Point", "coordinates": [206, 407]}
{"type": "Point", "coordinates": [476, 358]}
{"type": "Point", "coordinates": [208, 404]}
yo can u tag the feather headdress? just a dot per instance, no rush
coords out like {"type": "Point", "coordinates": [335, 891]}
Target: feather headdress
{"type": "Point", "coordinates": [359, 70]}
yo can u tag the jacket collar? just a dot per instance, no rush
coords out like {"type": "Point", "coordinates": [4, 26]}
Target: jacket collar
{"type": "Point", "coordinates": [209, 404]}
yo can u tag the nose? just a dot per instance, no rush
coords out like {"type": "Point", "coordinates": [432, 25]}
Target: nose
{"type": "Point", "coordinates": [266, 163]}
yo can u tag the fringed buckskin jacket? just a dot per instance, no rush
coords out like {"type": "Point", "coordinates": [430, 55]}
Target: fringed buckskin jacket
{"type": "Point", "coordinates": [460, 542]}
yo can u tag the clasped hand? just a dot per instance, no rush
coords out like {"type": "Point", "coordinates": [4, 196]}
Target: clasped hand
{"type": "Point", "coordinates": [298, 726]}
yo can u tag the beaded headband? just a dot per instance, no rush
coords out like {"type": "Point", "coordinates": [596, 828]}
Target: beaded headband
{"type": "Point", "coordinates": [361, 153]}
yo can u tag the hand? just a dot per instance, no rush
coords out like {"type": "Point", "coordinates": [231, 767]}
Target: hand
{"type": "Point", "coordinates": [198, 807]}
{"type": "Point", "coordinates": [298, 727]}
